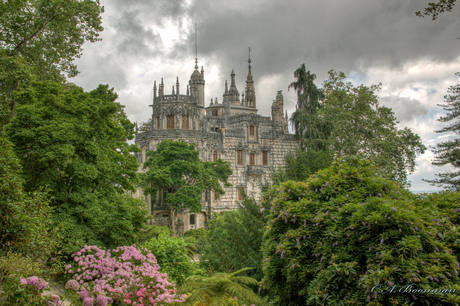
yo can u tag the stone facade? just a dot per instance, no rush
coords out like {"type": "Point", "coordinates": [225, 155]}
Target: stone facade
{"type": "Point", "coordinates": [231, 130]}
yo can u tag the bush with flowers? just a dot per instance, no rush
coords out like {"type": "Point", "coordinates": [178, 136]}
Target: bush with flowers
{"type": "Point", "coordinates": [122, 276]}
{"type": "Point", "coordinates": [345, 236]}
{"type": "Point", "coordinates": [17, 290]}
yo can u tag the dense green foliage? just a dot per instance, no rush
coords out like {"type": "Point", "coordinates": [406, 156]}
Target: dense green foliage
{"type": "Point", "coordinates": [234, 240]}
{"type": "Point", "coordinates": [221, 289]}
{"type": "Point", "coordinates": [361, 126]}
{"type": "Point", "coordinates": [172, 257]}
{"type": "Point", "coordinates": [75, 144]}
{"type": "Point", "coordinates": [175, 167]}
{"type": "Point", "coordinates": [25, 219]}
{"type": "Point", "coordinates": [49, 34]}
{"type": "Point", "coordinates": [331, 239]}
{"type": "Point", "coordinates": [312, 129]}
{"type": "Point", "coordinates": [448, 152]}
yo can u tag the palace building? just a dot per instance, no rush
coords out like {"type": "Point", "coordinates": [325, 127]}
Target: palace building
{"type": "Point", "coordinates": [230, 129]}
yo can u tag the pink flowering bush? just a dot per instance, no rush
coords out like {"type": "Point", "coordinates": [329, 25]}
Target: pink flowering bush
{"type": "Point", "coordinates": [122, 276]}
{"type": "Point", "coordinates": [17, 290]}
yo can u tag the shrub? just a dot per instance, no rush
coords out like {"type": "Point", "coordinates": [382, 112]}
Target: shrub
{"type": "Point", "coordinates": [123, 276]}
{"type": "Point", "coordinates": [172, 255]}
{"type": "Point", "coordinates": [334, 238]}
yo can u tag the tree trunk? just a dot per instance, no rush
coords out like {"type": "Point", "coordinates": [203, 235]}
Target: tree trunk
{"type": "Point", "coordinates": [173, 224]}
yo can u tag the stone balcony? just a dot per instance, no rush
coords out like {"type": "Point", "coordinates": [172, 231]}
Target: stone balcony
{"type": "Point", "coordinates": [255, 170]}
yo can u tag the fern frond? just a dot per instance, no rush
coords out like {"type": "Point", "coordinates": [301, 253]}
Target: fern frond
{"type": "Point", "coordinates": [245, 280]}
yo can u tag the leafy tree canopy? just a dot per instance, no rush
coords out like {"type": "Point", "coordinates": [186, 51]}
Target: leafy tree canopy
{"type": "Point", "coordinates": [331, 239]}
{"type": "Point", "coordinates": [175, 167]}
{"type": "Point", "coordinates": [362, 126]}
{"type": "Point", "coordinates": [75, 144]}
{"type": "Point", "coordinates": [312, 129]}
{"type": "Point", "coordinates": [234, 240]}
{"type": "Point", "coordinates": [25, 219]}
{"type": "Point", "coordinates": [448, 152]}
{"type": "Point", "coordinates": [49, 34]}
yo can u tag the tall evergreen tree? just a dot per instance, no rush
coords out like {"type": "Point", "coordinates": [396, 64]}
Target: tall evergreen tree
{"type": "Point", "coordinates": [448, 152]}
{"type": "Point", "coordinates": [311, 128]}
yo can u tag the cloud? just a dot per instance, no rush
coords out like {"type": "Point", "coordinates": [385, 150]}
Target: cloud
{"type": "Point", "coordinates": [372, 41]}
{"type": "Point", "coordinates": [404, 108]}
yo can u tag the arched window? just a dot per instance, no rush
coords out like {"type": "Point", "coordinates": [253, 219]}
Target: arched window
{"type": "Point", "coordinates": [251, 130]}
{"type": "Point", "coordinates": [214, 156]}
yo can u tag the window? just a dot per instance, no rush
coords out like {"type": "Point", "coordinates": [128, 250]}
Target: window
{"type": "Point", "coordinates": [165, 193]}
{"type": "Point", "coordinates": [251, 130]}
{"type": "Point", "coordinates": [251, 159]}
{"type": "Point", "coordinates": [207, 195]}
{"type": "Point", "coordinates": [215, 112]}
{"type": "Point", "coordinates": [240, 193]}
{"type": "Point", "coordinates": [264, 158]}
{"type": "Point", "coordinates": [216, 195]}
{"type": "Point", "coordinates": [239, 157]}
{"type": "Point", "coordinates": [185, 123]}
{"type": "Point", "coordinates": [192, 219]}
{"type": "Point", "coordinates": [214, 156]}
{"type": "Point", "coordinates": [170, 122]}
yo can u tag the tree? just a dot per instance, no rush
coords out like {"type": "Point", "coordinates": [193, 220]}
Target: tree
{"type": "Point", "coordinates": [309, 127]}
{"type": "Point", "coordinates": [175, 167]}
{"type": "Point", "coordinates": [234, 239]}
{"type": "Point", "coordinates": [39, 39]}
{"type": "Point", "coordinates": [220, 289]}
{"type": "Point", "coordinates": [361, 126]}
{"type": "Point", "coordinates": [49, 34]}
{"type": "Point", "coordinates": [448, 152]}
{"type": "Point", "coordinates": [25, 219]}
{"type": "Point", "coordinates": [345, 234]}
{"type": "Point", "coordinates": [434, 9]}
{"type": "Point", "coordinates": [74, 143]}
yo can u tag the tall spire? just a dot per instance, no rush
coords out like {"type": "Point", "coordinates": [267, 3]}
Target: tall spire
{"type": "Point", "coordinates": [196, 50]}
{"type": "Point", "coordinates": [250, 90]}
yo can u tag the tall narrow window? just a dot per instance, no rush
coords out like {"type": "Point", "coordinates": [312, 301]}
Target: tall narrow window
{"type": "Point", "coordinates": [158, 123]}
{"type": "Point", "coordinates": [239, 157]}
{"type": "Point", "coordinates": [214, 156]}
{"type": "Point", "coordinates": [185, 123]}
{"type": "Point", "coordinates": [170, 122]}
{"type": "Point", "coordinates": [264, 158]}
{"type": "Point", "coordinates": [207, 195]}
{"type": "Point", "coordinates": [251, 159]}
{"type": "Point", "coordinates": [216, 195]}
{"type": "Point", "coordinates": [251, 130]}
{"type": "Point", "coordinates": [240, 193]}
{"type": "Point", "coordinates": [192, 219]}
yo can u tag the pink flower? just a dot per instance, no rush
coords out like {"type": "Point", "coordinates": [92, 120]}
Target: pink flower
{"type": "Point", "coordinates": [101, 300]}
{"type": "Point", "coordinates": [88, 301]}
{"type": "Point", "coordinates": [72, 284]}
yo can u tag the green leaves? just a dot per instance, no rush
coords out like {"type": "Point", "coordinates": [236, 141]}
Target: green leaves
{"type": "Point", "coordinates": [448, 152]}
{"type": "Point", "coordinates": [363, 127]}
{"type": "Point", "coordinates": [49, 34]}
{"type": "Point", "coordinates": [75, 144]}
{"type": "Point", "coordinates": [344, 230]}
{"type": "Point", "coordinates": [175, 166]}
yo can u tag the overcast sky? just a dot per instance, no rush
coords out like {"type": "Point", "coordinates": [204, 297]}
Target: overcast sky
{"type": "Point", "coordinates": [414, 58]}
